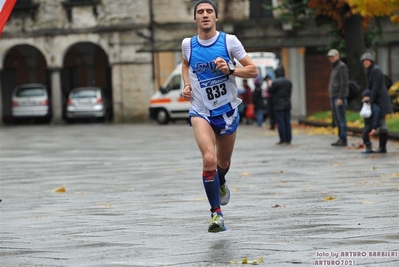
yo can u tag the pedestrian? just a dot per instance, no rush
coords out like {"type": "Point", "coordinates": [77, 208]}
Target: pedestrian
{"type": "Point", "coordinates": [209, 72]}
{"type": "Point", "coordinates": [370, 123]}
{"type": "Point", "coordinates": [258, 102]}
{"type": "Point", "coordinates": [280, 90]}
{"type": "Point", "coordinates": [247, 100]}
{"type": "Point", "coordinates": [269, 108]}
{"type": "Point", "coordinates": [338, 90]}
{"type": "Point", "coordinates": [241, 109]}
{"type": "Point", "coordinates": [379, 95]}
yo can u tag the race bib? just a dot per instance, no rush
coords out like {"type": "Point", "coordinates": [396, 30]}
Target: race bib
{"type": "Point", "coordinates": [216, 92]}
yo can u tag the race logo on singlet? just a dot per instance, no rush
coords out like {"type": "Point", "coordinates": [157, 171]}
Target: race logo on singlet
{"type": "Point", "coordinates": [214, 85]}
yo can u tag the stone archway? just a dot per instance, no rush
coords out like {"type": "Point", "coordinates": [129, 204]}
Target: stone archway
{"type": "Point", "coordinates": [22, 64]}
{"type": "Point", "coordinates": [85, 64]}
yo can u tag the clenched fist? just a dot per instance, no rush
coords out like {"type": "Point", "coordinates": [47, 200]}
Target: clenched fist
{"type": "Point", "coordinates": [187, 92]}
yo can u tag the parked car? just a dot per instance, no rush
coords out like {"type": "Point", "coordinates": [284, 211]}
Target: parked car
{"type": "Point", "coordinates": [30, 101]}
{"type": "Point", "coordinates": [88, 103]}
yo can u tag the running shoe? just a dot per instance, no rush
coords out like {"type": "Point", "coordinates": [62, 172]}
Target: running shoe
{"type": "Point", "coordinates": [217, 223]}
{"type": "Point", "coordinates": [224, 194]}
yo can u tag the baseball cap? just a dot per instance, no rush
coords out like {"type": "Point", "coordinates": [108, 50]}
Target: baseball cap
{"type": "Point", "coordinates": [332, 52]}
{"type": "Point", "coordinates": [215, 7]}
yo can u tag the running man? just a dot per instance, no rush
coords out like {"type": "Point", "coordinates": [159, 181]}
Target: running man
{"type": "Point", "coordinates": [209, 72]}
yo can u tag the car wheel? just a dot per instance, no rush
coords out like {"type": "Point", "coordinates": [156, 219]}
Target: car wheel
{"type": "Point", "coordinates": [162, 116]}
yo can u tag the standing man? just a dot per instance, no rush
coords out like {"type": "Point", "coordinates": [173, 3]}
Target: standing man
{"type": "Point", "coordinates": [209, 72]}
{"type": "Point", "coordinates": [280, 90]}
{"type": "Point", "coordinates": [379, 95]}
{"type": "Point", "coordinates": [272, 120]}
{"type": "Point", "coordinates": [338, 90]}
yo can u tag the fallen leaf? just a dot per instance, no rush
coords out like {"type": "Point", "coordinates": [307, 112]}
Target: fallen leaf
{"type": "Point", "coordinates": [245, 174]}
{"type": "Point", "coordinates": [373, 168]}
{"type": "Point", "coordinates": [278, 206]}
{"type": "Point", "coordinates": [246, 261]}
{"type": "Point", "coordinates": [329, 198]}
{"type": "Point", "coordinates": [60, 190]}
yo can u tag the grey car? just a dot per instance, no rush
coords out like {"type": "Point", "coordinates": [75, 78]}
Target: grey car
{"type": "Point", "coordinates": [87, 103]}
{"type": "Point", "coordinates": [30, 101]}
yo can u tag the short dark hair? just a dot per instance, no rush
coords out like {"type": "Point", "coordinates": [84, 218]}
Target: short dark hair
{"type": "Point", "coordinates": [215, 7]}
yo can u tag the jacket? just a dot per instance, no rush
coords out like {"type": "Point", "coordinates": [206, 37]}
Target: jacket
{"type": "Point", "coordinates": [280, 90]}
{"type": "Point", "coordinates": [257, 98]}
{"type": "Point", "coordinates": [339, 81]}
{"type": "Point", "coordinates": [374, 119]}
{"type": "Point", "coordinates": [379, 92]}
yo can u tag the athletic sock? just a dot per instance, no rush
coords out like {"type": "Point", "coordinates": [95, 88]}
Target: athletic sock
{"type": "Point", "coordinates": [211, 185]}
{"type": "Point", "coordinates": [217, 210]}
{"type": "Point", "coordinates": [222, 173]}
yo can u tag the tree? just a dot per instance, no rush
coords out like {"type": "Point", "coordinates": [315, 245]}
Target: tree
{"type": "Point", "coordinates": [349, 19]}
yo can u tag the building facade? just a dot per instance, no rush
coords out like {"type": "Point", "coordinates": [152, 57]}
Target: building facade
{"type": "Point", "coordinates": [129, 47]}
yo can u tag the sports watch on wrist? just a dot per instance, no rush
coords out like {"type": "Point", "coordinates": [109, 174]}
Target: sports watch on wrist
{"type": "Point", "coordinates": [231, 66]}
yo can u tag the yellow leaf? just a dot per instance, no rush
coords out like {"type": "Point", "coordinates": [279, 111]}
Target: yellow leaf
{"type": "Point", "coordinates": [60, 190]}
{"type": "Point", "coordinates": [329, 198]}
{"type": "Point", "coordinates": [373, 168]}
{"type": "Point", "coordinates": [245, 174]}
{"type": "Point", "coordinates": [253, 262]}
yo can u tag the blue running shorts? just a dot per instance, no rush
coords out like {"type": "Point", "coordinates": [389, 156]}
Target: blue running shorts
{"type": "Point", "coordinates": [222, 124]}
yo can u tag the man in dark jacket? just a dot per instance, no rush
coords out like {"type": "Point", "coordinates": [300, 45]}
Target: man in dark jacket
{"type": "Point", "coordinates": [280, 90]}
{"type": "Point", "coordinates": [338, 90]}
{"type": "Point", "coordinates": [379, 95]}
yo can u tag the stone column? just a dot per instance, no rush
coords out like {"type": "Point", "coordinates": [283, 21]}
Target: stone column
{"type": "Point", "coordinates": [56, 95]}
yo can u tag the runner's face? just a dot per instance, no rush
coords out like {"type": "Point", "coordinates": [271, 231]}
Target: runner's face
{"type": "Point", "coordinates": [205, 17]}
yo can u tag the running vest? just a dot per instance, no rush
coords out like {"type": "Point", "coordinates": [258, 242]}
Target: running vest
{"type": "Point", "coordinates": [215, 86]}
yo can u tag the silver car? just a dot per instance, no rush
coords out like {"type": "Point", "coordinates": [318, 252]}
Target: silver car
{"type": "Point", "coordinates": [86, 103]}
{"type": "Point", "coordinates": [30, 101]}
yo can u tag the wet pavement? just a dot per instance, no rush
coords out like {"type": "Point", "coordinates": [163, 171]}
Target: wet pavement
{"type": "Point", "coordinates": [134, 197]}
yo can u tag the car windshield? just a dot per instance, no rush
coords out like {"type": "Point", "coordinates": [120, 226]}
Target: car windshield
{"type": "Point", "coordinates": [85, 94]}
{"type": "Point", "coordinates": [30, 92]}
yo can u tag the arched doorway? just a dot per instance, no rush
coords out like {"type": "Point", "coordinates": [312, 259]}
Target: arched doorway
{"type": "Point", "coordinates": [22, 64]}
{"type": "Point", "coordinates": [86, 64]}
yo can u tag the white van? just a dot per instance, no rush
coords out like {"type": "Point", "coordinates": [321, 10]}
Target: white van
{"type": "Point", "coordinates": [168, 104]}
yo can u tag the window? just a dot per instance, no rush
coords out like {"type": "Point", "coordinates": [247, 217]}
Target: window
{"type": "Point", "coordinates": [69, 4]}
{"type": "Point", "coordinates": [30, 92]}
{"type": "Point", "coordinates": [81, 2]}
{"type": "Point", "coordinates": [26, 6]}
{"type": "Point", "coordinates": [174, 83]}
{"type": "Point", "coordinates": [258, 9]}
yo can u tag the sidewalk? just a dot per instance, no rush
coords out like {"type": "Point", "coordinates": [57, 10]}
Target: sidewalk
{"type": "Point", "coordinates": [134, 197]}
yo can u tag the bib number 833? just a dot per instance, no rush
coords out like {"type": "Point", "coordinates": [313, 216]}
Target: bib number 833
{"type": "Point", "coordinates": [216, 91]}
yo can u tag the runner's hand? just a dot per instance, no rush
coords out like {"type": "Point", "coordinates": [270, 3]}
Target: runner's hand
{"type": "Point", "coordinates": [221, 65]}
{"type": "Point", "coordinates": [187, 92]}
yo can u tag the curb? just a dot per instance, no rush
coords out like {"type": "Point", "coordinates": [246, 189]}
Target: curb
{"type": "Point", "coordinates": [355, 131]}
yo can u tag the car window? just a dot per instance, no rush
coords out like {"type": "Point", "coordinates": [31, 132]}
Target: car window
{"type": "Point", "coordinates": [270, 71]}
{"type": "Point", "coordinates": [85, 94]}
{"type": "Point", "coordinates": [174, 83]}
{"type": "Point", "coordinates": [30, 92]}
